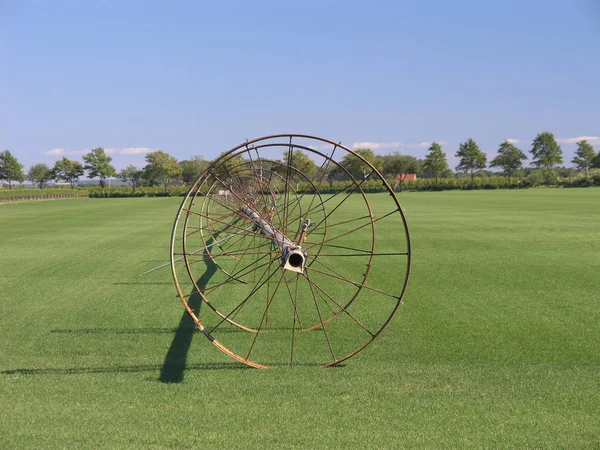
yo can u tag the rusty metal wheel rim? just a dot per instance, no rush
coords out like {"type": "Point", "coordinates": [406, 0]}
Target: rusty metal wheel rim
{"type": "Point", "coordinates": [317, 276]}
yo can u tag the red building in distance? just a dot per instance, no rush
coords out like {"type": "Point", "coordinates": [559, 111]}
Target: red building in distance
{"type": "Point", "coordinates": [406, 177]}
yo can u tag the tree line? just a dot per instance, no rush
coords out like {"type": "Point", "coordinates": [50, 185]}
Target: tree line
{"type": "Point", "coordinates": [545, 151]}
{"type": "Point", "coordinates": [164, 169]}
{"type": "Point", "coordinates": [161, 168]}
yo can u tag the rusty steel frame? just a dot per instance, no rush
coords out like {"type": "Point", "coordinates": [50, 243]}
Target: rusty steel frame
{"type": "Point", "coordinates": [273, 235]}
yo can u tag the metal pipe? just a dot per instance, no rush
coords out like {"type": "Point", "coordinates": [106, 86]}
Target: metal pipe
{"type": "Point", "coordinates": [294, 257]}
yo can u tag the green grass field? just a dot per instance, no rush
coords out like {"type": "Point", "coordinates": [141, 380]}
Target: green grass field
{"type": "Point", "coordinates": [497, 343]}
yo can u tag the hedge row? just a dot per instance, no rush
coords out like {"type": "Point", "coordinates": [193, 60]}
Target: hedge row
{"type": "Point", "coordinates": [582, 182]}
{"type": "Point", "coordinates": [445, 184]}
{"type": "Point", "coordinates": [25, 192]}
{"type": "Point", "coordinates": [122, 191]}
{"type": "Point", "coordinates": [42, 196]}
{"type": "Point", "coordinates": [427, 184]}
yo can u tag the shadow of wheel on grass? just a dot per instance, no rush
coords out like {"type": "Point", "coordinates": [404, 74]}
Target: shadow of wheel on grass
{"type": "Point", "coordinates": [119, 369]}
{"type": "Point", "coordinates": [175, 363]}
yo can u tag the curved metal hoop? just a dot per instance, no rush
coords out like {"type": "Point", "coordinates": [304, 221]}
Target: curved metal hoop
{"type": "Point", "coordinates": [283, 252]}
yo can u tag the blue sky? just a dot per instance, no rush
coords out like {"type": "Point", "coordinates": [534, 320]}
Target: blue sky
{"type": "Point", "coordinates": [197, 78]}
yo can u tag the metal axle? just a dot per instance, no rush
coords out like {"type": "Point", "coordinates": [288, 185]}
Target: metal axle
{"type": "Point", "coordinates": [294, 257]}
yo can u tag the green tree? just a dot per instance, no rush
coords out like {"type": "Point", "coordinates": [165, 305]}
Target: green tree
{"type": "Point", "coordinates": [97, 164]}
{"type": "Point", "coordinates": [546, 153]}
{"type": "Point", "coordinates": [334, 173]}
{"type": "Point", "coordinates": [10, 168]}
{"type": "Point", "coordinates": [67, 170]}
{"type": "Point", "coordinates": [567, 172]}
{"type": "Point", "coordinates": [535, 178]}
{"type": "Point", "coordinates": [596, 161]}
{"type": "Point", "coordinates": [509, 158]}
{"type": "Point", "coordinates": [228, 166]}
{"type": "Point", "coordinates": [471, 158]}
{"type": "Point", "coordinates": [193, 168]}
{"type": "Point", "coordinates": [162, 167]}
{"type": "Point", "coordinates": [584, 156]}
{"type": "Point", "coordinates": [132, 176]}
{"type": "Point", "coordinates": [357, 167]}
{"type": "Point", "coordinates": [39, 174]}
{"type": "Point", "coordinates": [397, 163]}
{"type": "Point", "coordinates": [435, 161]}
{"type": "Point", "coordinates": [301, 162]}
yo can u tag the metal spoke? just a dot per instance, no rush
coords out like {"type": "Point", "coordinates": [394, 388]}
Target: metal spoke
{"type": "Point", "coordinates": [266, 312]}
{"type": "Point", "coordinates": [320, 317]}
{"type": "Point", "coordinates": [364, 254]}
{"type": "Point", "coordinates": [339, 277]}
{"type": "Point", "coordinates": [342, 309]}
{"type": "Point", "coordinates": [372, 222]}
{"type": "Point", "coordinates": [243, 302]}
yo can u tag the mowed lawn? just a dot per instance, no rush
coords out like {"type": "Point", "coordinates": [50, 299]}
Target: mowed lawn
{"type": "Point", "coordinates": [497, 343]}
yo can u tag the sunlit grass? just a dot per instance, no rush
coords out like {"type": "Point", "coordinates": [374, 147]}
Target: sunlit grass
{"type": "Point", "coordinates": [497, 344]}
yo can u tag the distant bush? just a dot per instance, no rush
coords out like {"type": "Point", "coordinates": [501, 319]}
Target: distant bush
{"type": "Point", "coordinates": [123, 191]}
{"type": "Point", "coordinates": [339, 186]}
{"type": "Point", "coordinates": [594, 180]}
{"type": "Point", "coordinates": [445, 184]}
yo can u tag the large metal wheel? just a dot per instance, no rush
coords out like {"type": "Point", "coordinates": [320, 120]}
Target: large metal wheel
{"type": "Point", "coordinates": [278, 263]}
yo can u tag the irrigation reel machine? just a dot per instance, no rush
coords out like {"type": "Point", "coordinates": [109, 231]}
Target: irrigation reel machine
{"type": "Point", "coordinates": [278, 264]}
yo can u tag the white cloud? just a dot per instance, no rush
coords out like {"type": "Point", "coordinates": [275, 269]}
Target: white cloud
{"type": "Point", "coordinates": [580, 138]}
{"type": "Point", "coordinates": [427, 144]}
{"type": "Point", "coordinates": [117, 151]}
{"type": "Point", "coordinates": [513, 141]}
{"type": "Point", "coordinates": [134, 150]}
{"type": "Point", "coordinates": [62, 151]}
{"type": "Point", "coordinates": [54, 152]}
{"type": "Point", "coordinates": [394, 144]}
{"type": "Point", "coordinates": [377, 145]}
